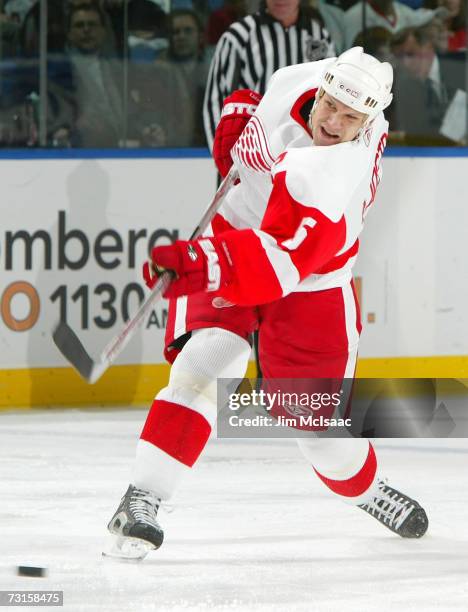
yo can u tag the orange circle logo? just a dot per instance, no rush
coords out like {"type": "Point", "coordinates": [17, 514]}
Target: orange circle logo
{"type": "Point", "coordinates": [34, 306]}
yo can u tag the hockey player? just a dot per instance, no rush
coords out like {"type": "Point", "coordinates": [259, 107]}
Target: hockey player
{"type": "Point", "coordinates": [278, 256]}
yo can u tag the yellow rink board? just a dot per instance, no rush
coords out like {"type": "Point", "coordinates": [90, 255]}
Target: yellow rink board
{"type": "Point", "coordinates": [138, 384]}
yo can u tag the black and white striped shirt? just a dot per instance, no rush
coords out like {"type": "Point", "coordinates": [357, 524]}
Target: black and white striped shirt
{"type": "Point", "coordinates": [251, 50]}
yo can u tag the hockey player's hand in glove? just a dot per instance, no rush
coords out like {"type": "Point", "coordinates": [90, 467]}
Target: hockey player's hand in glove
{"type": "Point", "coordinates": [238, 108]}
{"type": "Point", "coordinates": [197, 265]}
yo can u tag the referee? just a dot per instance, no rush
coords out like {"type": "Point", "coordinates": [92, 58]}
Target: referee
{"type": "Point", "coordinates": [280, 34]}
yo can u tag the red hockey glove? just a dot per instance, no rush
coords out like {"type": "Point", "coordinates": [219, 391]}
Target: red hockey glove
{"type": "Point", "coordinates": [198, 265]}
{"type": "Point", "coordinates": [237, 110]}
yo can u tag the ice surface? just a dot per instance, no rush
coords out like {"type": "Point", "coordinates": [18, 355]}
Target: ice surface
{"type": "Point", "coordinates": [252, 530]}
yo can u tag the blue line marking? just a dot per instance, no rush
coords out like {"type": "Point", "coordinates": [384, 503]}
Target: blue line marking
{"type": "Point", "coordinates": [426, 152]}
{"type": "Point", "coordinates": [104, 153]}
{"type": "Point", "coordinates": [12, 154]}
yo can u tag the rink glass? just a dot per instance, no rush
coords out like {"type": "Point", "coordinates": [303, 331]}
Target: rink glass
{"type": "Point", "coordinates": [146, 105]}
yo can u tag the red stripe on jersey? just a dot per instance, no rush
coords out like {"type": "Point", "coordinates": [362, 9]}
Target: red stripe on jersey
{"type": "Point", "coordinates": [171, 319]}
{"type": "Point", "coordinates": [250, 163]}
{"type": "Point", "coordinates": [297, 107]}
{"type": "Point", "coordinates": [358, 308]}
{"type": "Point", "coordinates": [340, 260]}
{"type": "Point", "coordinates": [319, 245]}
{"type": "Point", "coordinates": [260, 162]}
{"type": "Point", "coordinates": [220, 224]}
{"type": "Point", "coordinates": [304, 234]}
{"type": "Point", "coordinates": [255, 280]}
{"type": "Point", "coordinates": [257, 126]}
{"type": "Point", "coordinates": [242, 157]}
{"type": "Point", "coordinates": [357, 484]}
{"type": "Point", "coordinates": [179, 431]}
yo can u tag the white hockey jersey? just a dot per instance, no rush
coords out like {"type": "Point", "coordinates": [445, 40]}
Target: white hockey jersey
{"type": "Point", "coordinates": [300, 207]}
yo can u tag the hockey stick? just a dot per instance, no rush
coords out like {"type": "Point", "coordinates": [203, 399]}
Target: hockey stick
{"type": "Point", "coordinates": [72, 348]}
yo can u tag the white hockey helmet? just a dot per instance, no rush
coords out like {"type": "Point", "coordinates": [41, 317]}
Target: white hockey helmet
{"type": "Point", "coordinates": [360, 81]}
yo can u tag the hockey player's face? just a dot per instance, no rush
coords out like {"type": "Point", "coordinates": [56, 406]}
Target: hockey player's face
{"type": "Point", "coordinates": [334, 122]}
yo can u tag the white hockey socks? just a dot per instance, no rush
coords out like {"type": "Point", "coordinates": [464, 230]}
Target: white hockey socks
{"type": "Point", "coordinates": [181, 417]}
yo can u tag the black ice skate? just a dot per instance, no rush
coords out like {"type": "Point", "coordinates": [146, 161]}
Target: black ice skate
{"type": "Point", "coordinates": [135, 525]}
{"type": "Point", "coordinates": [398, 512]}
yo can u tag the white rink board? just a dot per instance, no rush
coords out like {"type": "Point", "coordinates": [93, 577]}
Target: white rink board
{"type": "Point", "coordinates": [412, 258]}
{"type": "Point", "coordinates": [126, 195]}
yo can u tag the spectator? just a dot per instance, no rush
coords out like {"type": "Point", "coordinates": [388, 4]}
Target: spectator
{"type": "Point", "coordinates": [97, 79]}
{"type": "Point", "coordinates": [186, 44]}
{"type": "Point", "coordinates": [280, 34]}
{"type": "Point", "coordinates": [9, 31]}
{"type": "Point", "coordinates": [147, 30]}
{"type": "Point", "coordinates": [56, 36]}
{"type": "Point", "coordinates": [56, 27]}
{"type": "Point", "coordinates": [454, 24]}
{"type": "Point", "coordinates": [18, 9]}
{"type": "Point", "coordinates": [187, 56]}
{"type": "Point", "coordinates": [389, 14]}
{"type": "Point", "coordinates": [113, 14]}
{"type": "Point", "coordinates": [423, 89]}
{"type": "Point", "coordinates": [332, 13]}
{"type": "Point", "coordinates": [20, 101]}
{"type": "Point", "coordinates": [220, 19]}
{"type": "Point", "coordinates": [167, 95]}
{"type": "Point", "coordinates": [376, 42]}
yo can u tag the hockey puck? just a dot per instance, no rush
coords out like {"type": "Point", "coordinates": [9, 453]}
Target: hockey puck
{"type": "Point", "coordinates": [27, 570]}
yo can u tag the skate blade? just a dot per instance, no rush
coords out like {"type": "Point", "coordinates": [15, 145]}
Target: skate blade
{"type": "Point", "coordinates": [128, 549]}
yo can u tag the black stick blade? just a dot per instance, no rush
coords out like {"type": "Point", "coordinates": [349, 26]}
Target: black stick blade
{"type": "Point", "coordinates": [71, 348]}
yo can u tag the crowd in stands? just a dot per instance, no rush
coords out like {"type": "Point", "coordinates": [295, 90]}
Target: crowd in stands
{"type": "Point", "coordinates": [153, 73]}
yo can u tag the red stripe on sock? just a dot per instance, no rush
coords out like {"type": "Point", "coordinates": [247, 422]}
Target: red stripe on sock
{"type": "Point", "coordinates": [179, 431]}
{"type": "Point", "coordinates": [357, 484]}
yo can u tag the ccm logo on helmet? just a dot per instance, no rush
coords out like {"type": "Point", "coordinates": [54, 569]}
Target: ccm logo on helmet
{"type": "Point", "coordinates": [214, 271]}
{"type": "Point", "coordinates": [348, 90]}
